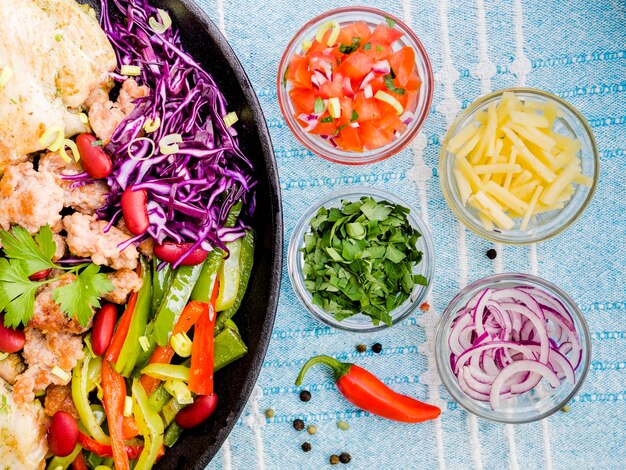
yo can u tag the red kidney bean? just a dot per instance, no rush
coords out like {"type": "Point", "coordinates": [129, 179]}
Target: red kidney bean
{"type": "Point", "coordinates": [11, 340]}
{"type": "Point", "coordinates": [192, 415]}
{"type": "Point", "coordinates": [95, 160]}
{"type": "Point", "coordinates": [62, 434]}
{"type": "Point", "coordinates": [170, 252]}
{"type": "Point", "coordinates": [39, 275]}
{"type": "Point", "coordinates": [103, 325]}
{"type": "Point", "coordinates": [135, 210]}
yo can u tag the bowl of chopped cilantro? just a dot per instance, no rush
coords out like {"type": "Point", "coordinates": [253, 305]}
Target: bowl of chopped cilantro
{"type": "Point", "coordinates": [360, 260]}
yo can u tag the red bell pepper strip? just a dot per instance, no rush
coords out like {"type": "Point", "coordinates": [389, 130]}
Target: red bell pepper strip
{"type": "Point", "coordinates": [113, 351]}
{"type": "Point", "coordinates": [203, 349]}
{"type": "Point", "coordinates": [129, 428]}
{"type": "Point", "coordinates": [79, 462]}
{"type": "Point", "coordinates": [104, 450]}
{"type": "Point", "coordinates": [164, 355]}
{"type": "Point", "coordinates": [114, 388]}
{"type": "Point", "coordinates": [365, 390]}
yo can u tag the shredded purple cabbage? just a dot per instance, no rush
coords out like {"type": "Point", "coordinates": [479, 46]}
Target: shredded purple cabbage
{"type": "Point", "coordinates": [191, 192]}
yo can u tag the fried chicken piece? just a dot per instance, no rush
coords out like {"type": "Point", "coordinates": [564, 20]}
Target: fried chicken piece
{"type": "Point", "coordinates": [125, 282]}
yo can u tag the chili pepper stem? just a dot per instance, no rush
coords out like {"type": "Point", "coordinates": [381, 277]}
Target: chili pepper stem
{"type": "Point", "coordinates": [339, 368]}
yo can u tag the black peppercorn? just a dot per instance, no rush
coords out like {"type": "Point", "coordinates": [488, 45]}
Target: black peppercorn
{"type": "Point", "coordinates": [377, 348]}
{"type": "Point", "coordinates": [334, 459]}
{"type": "Point", "coordinates": [345, 457]}
{"type": "Point", "coordinates": [305, 395]}
{"type": "Point", "coordinates": [491, 253]}
{"type": "Point", "coordinates": [298, 424]}
{"type": "Point", "coordinates": [306, 446]}
{"type": "Point", "coordinates": [361, 348]}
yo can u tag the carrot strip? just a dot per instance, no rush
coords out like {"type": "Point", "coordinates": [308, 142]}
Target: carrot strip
{"type": "Point", "coordinates": [114, 388]}
{"type": "Point", "coordinates": [113, 351]}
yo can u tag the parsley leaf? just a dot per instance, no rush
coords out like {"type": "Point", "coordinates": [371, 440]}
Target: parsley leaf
{"type": "Point", "coordinates": [319, 107]}
{"type": "Point", "coordinates": [390, 22]}
{"type": "Point", "coordinates": [78, 297]}
{"type": "Point", "coordinates": [20, 245]}
{"type": "Point", "coordinates": [361, 257]}
{"type": "Point", "coordinates": [17, 292]}
{"type": "Point", "coordinates": [391, 86]}
{"type": "Point", "coordinates": [349, 49]}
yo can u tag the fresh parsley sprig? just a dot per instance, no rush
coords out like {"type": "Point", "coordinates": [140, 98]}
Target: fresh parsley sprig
{"type": "Point", "coordinates": [26, 255]}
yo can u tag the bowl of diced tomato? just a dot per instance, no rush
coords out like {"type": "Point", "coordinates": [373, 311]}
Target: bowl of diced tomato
{"type": "Point", "coordinates": [355, 85]}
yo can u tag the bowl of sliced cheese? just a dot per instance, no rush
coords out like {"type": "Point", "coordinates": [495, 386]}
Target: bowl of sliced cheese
{"type": "Point", "coordinates": [519, 166]}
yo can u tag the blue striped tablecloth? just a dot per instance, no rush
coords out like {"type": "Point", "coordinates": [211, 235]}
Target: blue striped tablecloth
{"type": "Point", "coordinates": [575, 49]}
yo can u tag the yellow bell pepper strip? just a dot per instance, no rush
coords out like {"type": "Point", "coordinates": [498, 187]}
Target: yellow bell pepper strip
{"type": "Point", "coordinates": [203, 349]}
{"type": "Point", "coordinates": [80, 396]}
{"type": "Point", "coordinates": [167, 372]}
{"type": "Point", "coordinates": [164, 355]}
{"type": "Point", "coordinates": [113, 351]}
{"type": "Point", "coordinates": [130, 350]}
{"type": "Point", "coordinates": [150, 426]}
{"type": "Point", "coordinates": [174, 302]}
{"type": "Point", "coordinates": [114, 388]}
{"type": "Point", "coordinates": [246, 261]}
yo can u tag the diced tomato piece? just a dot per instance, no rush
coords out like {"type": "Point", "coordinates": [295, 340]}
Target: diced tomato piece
{"type": "Point", "coordinates": [303, 100]}
{"type": "Point", "coordinates": [320, 46]}
{"type": "Point", "coordinates": [373, 136]}
{"type": "Point", "coordinates": [356, 65]}
{"type": "Point", "coordinates": [411, 100]}
{"type": "Point", "coordinates": [391, 124]}
{"type": "Point", "coordinates": [385, 34]}
{"type": "Point", "coordinates": [403, 63]}
{"type": "Point", "coordinates": [367, 109]}
{"type": "Point", "coordinates": [378, 51]}
{"type": "Point", "coordinates": [346, 111]}
{"type": "Point", "coordinates": [378, 84]}
{"type": "Point", "coordinates": [325, 128]}
{"type": "Point", "coordinates": [387, 109]}
{"type": "Point", "coordinates": [351, 139]}
{"type": "Point", "coordinates": [332, 89]}
{"type": "Point", "coordinates": [414, 82]}
{"type": "Point", "coordinates": [321, 62]}
{"type": "Point", "coordinates": [298, 72]}
{"type": "Point", "coordinates": [358, 29]}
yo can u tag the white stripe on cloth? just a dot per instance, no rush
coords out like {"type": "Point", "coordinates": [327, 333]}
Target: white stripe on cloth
{"type": "Point", "coordinates": [255, 420]}
{"type": "Point", "coordinates": [219, 9]}
{"type": "Point", "coordinates": [228, 455]}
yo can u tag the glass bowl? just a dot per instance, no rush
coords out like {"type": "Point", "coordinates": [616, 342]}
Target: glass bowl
{"type": "Point", "coordinates": [359, 322]}
{"type": "Point", "coordinates": [372, 17]}
{"type": "Point", "coordinates": [569, 122]}
{"type": "Point", "coordinates": [541, 401]}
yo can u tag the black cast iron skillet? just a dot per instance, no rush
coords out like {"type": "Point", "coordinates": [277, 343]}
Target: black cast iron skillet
{"type": "Point", "coordinates": [233, 384]}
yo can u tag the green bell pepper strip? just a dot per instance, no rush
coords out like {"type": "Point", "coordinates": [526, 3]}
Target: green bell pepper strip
{"type": "Point", "coordinates": [80, 396]}
{"type": "Point", "coordinates": [93, 460]}
{"type": "Point", "coordinates": [144, 355]}
{"type": "Point", "coordinates": [63, 463]}
{"type": "Point", "coordinates": [170, 410]}
{"type": "Point", "coordinates": [174, 302]}
{"type": "Point", "coordinates": [150, 426]}
{"type": "Point", "coordinates": [172, 433]}
{"type": "Point", "coordinates": [160, 282]}
{"type": "Point", "coordinates": [204, 285]}
{"type": "Point", "coordinates": [228, 348]}
{"type": "Point", "coordinates": [246, 260]}
{"type": "Point", "coordinates": [130, 350]}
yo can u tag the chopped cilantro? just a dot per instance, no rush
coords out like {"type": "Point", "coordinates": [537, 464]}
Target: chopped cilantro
{"type": "Point", "coordinates": [327, 119]}
{"type": "Point", "coordinates": [379, 48]}
{"type": "Point", "coordinates": [360, 258]}
{"type": "Point", "coordinates": [354, 116]}
{"type": "Point", "coordinates": [391, 86]}
{"type": "Point", "coordinates": [285, 77]}
{"type": "Point", "coordinates": [367, 46]}
{"type": "Point", "coordinates": [349, 49]}
{"type": "Point", "coordinates": [390, 22]}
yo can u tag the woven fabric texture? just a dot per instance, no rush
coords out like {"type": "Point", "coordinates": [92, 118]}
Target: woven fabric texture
{"type": "Point", "coordinates": [575, 49]}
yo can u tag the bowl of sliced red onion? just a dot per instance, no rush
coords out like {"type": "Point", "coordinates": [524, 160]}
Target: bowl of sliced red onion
{"type": "Point", "coordinates": [512, 348]}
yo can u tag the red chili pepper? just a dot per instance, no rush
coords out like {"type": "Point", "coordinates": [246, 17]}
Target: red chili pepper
{"type": "Point", "coordinates": [364, 390]}
{"type": "Point", "coordinates": [79, 462]}
{"type": "Point", "coordinates": [113, 351]}
{"type": "Point", "coordinates": [203, 349]}
{"type": "Point", "coordinates": [104, 450]}
{"type": "Point", "coordinates": [163, 355]}
{"type": "Point", "coordinates": [114, 388]}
